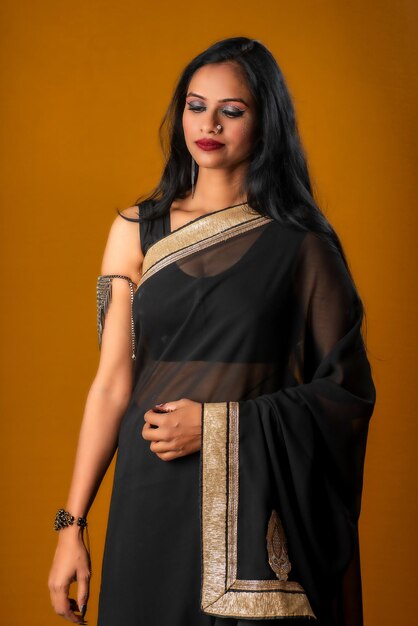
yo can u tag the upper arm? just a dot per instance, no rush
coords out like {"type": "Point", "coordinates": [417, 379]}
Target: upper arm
{"type": "Point", "coordinates": [122, 256]}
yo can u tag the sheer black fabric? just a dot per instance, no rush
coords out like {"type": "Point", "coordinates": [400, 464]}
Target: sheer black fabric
{"type": "Point", "coordinates": [242, 313]}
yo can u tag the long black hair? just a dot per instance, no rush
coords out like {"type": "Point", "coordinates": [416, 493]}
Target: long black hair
{"type": "Point", "coordinates": [277, 181]}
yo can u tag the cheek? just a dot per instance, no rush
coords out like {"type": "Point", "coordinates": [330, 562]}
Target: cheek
{"type": "Point", "coordinates": [185, 124]}
{"type": "Point", "coordinates": [244, 133]}
{"type": "Point", "coordinates": [189, 123]}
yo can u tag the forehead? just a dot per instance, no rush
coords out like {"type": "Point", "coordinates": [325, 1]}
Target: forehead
{"type": "Point", "coordinates": [220, 80]}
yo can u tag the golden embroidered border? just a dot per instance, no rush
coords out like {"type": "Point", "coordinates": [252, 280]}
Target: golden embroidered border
{"type": "Point", "coordinates": [233, 487]}
{"type": "Point", "coordinates": [213, 485]}
{"type": "Point", "coordinates": [197, 235]}
{"type": "Point", "coordinates": [222, 593]}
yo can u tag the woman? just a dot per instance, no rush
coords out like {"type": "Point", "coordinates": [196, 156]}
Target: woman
{"type": "Point", "coordinates": [233, 379]}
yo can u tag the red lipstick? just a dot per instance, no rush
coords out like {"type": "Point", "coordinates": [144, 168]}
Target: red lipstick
{"type": "Point", "coordinates": [209, 144]}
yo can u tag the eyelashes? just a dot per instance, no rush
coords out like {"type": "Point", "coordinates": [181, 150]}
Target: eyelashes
{"type": "Point", "coordinates": [227, 112]}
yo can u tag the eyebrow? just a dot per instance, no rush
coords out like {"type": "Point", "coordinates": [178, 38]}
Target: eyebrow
{"type": "Point", "coordinates": [223, 99]}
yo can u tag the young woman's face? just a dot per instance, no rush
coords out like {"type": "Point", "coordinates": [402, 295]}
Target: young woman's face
{"type": "Point", "coordinates": [218, 94]}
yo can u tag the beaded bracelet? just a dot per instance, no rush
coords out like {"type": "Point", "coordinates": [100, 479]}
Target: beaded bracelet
{"type": "Point", "coordinates": [63, 519]}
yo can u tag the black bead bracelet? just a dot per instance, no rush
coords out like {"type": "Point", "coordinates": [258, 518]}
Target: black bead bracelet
{"type": "Point", "coordinates": [63, 519]}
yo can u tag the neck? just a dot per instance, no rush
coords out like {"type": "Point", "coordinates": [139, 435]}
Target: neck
{"type": "Point", "coordinates": [218, 188]}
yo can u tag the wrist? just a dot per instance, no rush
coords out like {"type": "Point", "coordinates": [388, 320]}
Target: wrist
{"type": "Point", "coordinates": [71, 535]}
{"type": "Point", "coordinates": [64, 519]}
{"type": "Point", "coordinates": [71, 530]}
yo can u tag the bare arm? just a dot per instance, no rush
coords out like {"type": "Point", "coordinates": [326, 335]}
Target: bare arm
{"type": "Point", "coordinates": [106, 402]}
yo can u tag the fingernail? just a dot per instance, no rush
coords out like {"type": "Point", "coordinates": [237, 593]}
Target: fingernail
{"type": "Point", "coordinates": [160, 404]}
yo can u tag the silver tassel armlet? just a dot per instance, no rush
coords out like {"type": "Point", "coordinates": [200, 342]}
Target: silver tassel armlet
{"type": "Point", "coordinates": [104, 297]}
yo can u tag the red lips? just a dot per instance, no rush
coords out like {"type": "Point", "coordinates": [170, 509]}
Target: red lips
{"type": "Point", "coordinates": [209, 144]}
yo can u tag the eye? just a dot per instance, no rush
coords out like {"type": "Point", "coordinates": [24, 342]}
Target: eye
{"type": "Point", "coordinates": [195, 107]}
{"type": "Point", "coordinates": [234, 112]}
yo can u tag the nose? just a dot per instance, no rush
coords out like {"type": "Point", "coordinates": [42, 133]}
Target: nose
{"type": "Point", "coordinates": [209, 122]}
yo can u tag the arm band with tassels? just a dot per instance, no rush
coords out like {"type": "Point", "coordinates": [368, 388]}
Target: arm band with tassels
{"type": "Point", "coordinates": [104, 297]}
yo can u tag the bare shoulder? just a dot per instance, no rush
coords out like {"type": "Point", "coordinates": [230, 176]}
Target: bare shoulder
{"type": "Point", "coordinates": [123, 254]}
{"type": "Point", "coordinates": [131, 212]}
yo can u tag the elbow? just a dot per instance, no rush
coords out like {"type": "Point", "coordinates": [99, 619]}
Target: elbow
{"type": "Point", "coordinates": [115, 392]}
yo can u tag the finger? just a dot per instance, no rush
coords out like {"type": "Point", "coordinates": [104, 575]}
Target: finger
{"type": "Point", "coordinates": [169, 406]}
{"type": "Point", "coordinates": [164, 446]}
{"type": "Point", "coordinates": [168, 456]}
{"type": "Point", "coordinates": [152, 417]}
{"type": "Point", "coordinates": [158, 408]}
{"type": "Point", "coordinates": [80, 614]}
{"type": "Point", "coordinates": [148, 432]}
{"type": "Point", "coordinates": [149, 428]}
{"type": "Point", "coordinates": [83, 591]}
{"type": "Point", "coordinates": [75, 609]}
{"type": "Point", "coordinates": [154, 434]}
{"type": "Point", "coordinates": [62, 604]}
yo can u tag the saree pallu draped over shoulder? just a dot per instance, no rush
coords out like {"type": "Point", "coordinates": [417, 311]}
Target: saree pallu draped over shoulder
{"type": "Point", "coordinates": [262, 324]}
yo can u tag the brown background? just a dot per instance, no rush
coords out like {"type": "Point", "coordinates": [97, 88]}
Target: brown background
{"type": "Point", "coordinates": [84, 85]}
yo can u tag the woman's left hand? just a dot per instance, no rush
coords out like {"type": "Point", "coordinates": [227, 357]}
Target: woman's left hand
{"type": "Point", "coordinates": [175, 431]}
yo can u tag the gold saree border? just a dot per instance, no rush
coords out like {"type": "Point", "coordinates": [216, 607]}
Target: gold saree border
{"type": "Point", "coordinates": [199, 234]}
{"type": "Point", "coordinates": [222, 593]}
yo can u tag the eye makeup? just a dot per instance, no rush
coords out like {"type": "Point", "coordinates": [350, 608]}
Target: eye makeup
{"type": "Point", "coordinates": [229, 112]}
{"type": "Point", "coordinates": [196, 95]}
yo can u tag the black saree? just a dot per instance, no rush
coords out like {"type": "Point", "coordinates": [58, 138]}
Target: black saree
{"type": "Point", "coordinates": [260, 323]}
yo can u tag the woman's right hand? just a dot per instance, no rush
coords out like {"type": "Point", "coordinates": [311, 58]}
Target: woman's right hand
{"type": "Point", "coordinates": [71, 563]}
